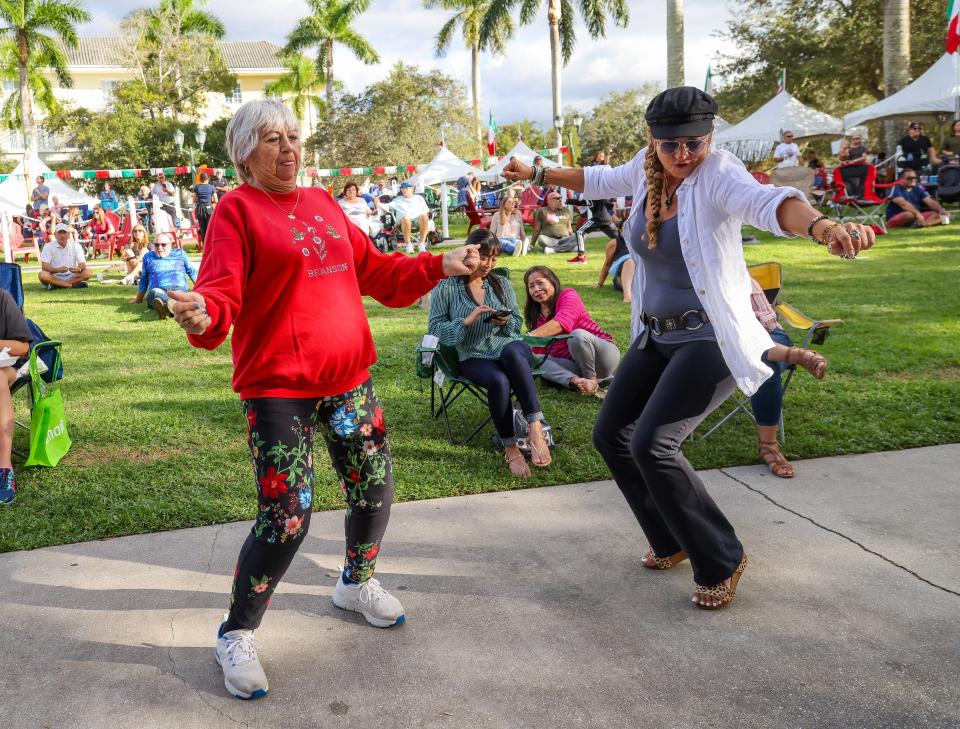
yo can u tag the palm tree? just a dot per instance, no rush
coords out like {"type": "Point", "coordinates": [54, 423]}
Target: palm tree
{"type": "Point", "coordinates": [896, 56]}
{"type": "Point", "coordinates": [36, 29]}
{"type": "Point", "coordinates": [562, 35]}
{"type": "Point", "coordinates": [468, 16]}
{"type": "Point", "coordinates": [675, 73]}
{"type": "Point", "coordinates": [329, 24]}
{"type": "Point", "coordinates": [41, 87]}
{"type": "Point", "coordinates": [185, 18]}
{"type": "Point", "coordinates": [297, 86]}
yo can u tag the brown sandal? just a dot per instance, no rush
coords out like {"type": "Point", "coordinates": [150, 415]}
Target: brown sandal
{"type": "Point", "coordinates": [662, 563]}
{"type": "Point", "coordinates": [779, 466]}
{"type": "Point", "coordinates": [726, 594]}
{"type": "Point", "coordinates": [813, 362]}
{"type": "Point", "coordinates": [511, 462]}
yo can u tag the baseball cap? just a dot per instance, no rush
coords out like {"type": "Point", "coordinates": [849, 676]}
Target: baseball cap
{"type": "Point", "coordinates": [916, 125]}
{"type": "Point", "coordinates": [62, 227]}
{"type": "Point", "coordinates": [406, 184]}
{"type": "Point", "coordinates": [684, 111]}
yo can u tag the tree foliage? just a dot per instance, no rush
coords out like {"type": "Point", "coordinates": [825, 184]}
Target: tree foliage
{"type": "Point", "coordinates": [534, 136]}
{"type": "Point", "coordinates": [176, 58]}
{"type": "Point", "coordinates": [395, 121]}
{"type": "Point", "coordinates": [298, 85]}
{"type": "Point", "coordinates": [616, 125]}
{"type": "Point", "coordinates": [832, 51]}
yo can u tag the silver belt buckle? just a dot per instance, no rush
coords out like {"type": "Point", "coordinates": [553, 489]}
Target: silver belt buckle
{"type": "Point", "coordinates": [688, 313]}
{"type": "Point", "coordinates": [654, 324]}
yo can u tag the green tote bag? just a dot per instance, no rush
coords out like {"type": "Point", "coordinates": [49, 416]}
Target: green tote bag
{"type": "Point", "coordinates": [49, 440]}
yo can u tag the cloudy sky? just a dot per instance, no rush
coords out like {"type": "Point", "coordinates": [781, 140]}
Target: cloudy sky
{"type": "Point", "coordinates": [515, 86]}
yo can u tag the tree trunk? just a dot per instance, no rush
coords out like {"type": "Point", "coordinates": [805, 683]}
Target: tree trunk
{"type": "Point", "coordinates": [675, 71]}
{"type": "Point", "coordinates": [329, 70]}
{"type": "Point", "coordinates": [26, 105]}
{"type": "Point", "coordinates": [896, 60]}
{"type": "Point", "coordinates": [475, 83]}
{"type": "Point", "coordinates": [553, 18]}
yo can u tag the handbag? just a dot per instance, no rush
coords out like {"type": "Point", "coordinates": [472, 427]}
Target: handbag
{"type": "Point", "coordinates": [49, 439]}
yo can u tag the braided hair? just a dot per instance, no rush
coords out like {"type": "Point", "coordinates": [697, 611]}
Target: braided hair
{"type": "Point", "coordinates": [654, 170]}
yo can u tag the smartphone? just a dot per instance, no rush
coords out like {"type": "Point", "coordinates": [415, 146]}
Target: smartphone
{"type": "Point", "coordinates": [499, 314]}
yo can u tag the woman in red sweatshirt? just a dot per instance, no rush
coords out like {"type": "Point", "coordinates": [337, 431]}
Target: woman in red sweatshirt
{"type": "Point", "coordinates": [287, 269]}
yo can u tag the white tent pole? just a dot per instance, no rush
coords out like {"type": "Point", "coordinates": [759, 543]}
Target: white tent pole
{"type": "Point", "coordinates": [443, 207]}
{"type": "Point", "coordinates": [5, 230]}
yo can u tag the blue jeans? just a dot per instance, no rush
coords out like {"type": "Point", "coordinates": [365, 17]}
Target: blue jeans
{"type": "Point", "coordinates": [160, 295]}
{"type": "Point", "coordinates": [768, 400]}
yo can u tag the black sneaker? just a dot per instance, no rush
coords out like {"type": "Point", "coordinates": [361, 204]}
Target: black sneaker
{"type": "Point", "coordinates": [80, 285]}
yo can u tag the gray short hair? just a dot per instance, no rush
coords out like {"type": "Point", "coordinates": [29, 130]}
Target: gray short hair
{"type": "Point", "coordinates": [243, 130]}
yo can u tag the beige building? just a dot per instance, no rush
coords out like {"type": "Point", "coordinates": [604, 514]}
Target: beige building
{"type": "Point", "coordinates": [95, 73]}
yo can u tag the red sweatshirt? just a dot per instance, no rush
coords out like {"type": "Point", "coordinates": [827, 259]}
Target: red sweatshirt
{"type": "Point", "coordinates": [292, 291]}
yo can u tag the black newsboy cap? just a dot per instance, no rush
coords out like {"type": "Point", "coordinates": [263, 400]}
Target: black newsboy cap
{"type": "Point", "coordinates": [685, 111]}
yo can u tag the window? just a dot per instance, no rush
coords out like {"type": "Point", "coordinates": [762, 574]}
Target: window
{"type": "Point", "coordinates": [236, 97]}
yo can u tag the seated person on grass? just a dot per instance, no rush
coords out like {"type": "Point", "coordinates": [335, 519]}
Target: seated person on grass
{"type": "Point", "coordinates": [165, 269]}
{"type": "Point", "coordinates": [552, 227]}
{"type": "Point", "coordinates": [910, 204]}
{"type": "Point", "coordinates": [587, 360]}
{"type": "Point", "coordinates": [63, 262]}
{"type": "Point", "coordinates": [15, 336]}
{"type": "Point", "coordinates": [408, 207]}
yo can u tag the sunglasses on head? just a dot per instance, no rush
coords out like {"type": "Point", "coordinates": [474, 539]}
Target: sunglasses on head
{"type": "Point", "coordinates": [693, 145]}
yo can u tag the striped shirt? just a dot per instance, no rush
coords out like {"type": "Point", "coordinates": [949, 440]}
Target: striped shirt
{"type": "Point", "coordinates": [762, 308]}
{"type": "Point", "coordinates": [451, 303]}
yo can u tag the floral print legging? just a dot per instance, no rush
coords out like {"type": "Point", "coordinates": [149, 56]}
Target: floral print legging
{"type": "Point", "coordinates": [280, 435]}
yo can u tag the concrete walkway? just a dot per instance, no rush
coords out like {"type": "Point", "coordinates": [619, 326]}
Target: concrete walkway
{"type": "Point", "coordinates": [525, 609]}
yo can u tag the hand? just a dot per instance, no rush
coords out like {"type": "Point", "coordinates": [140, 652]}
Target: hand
{"type": "Point", "coordinates": [472, 317]}
{"type": "Point", "coordinates": [849, 239]}
{"type": "Point", "coordinates": [189, 310]}
{"type": "Point", "coordinates": [461, 261]}
{"type": "Point", "coordinates": [136, 300]}
{"type": "Point", "coordinates": [517, 170]}
{"type": "Point", "coordinates": [500, 320]}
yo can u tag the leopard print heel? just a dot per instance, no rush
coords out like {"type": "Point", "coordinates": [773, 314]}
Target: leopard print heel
{"type": "Point", "coordinates": [720, 590]}
{"type": "Point", "coordinates": [662, 563]}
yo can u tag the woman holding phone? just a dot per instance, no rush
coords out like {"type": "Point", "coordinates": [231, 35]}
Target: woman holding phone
{"type": "Point", "coordinates": [478, 314]}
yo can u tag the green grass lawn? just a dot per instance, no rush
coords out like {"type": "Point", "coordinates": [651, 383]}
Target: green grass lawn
{"type": "Point", "coordinates": [158, 436]}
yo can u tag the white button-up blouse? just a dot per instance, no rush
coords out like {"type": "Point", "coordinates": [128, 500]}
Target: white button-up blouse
{"type": "Point", "coordinates": [712, 203]}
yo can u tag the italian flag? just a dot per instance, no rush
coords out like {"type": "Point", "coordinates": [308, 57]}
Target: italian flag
{"type": "Point", "coordinates": [953, 26]}
{"type": "Point", "coordinates": [708, 85]}
{"type": "Point", "coordinates": [782, 79]}
{"type": "Point", "coordinates": [492, 133]}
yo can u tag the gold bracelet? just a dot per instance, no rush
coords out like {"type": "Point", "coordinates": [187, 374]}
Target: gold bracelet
{"type": "Point", "coordinates": [825, 239]}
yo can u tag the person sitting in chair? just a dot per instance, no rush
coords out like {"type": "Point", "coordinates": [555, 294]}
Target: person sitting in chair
{"type": "Point", "coordinates": [854, 153]}
{"type": "Point", "coordinates": [15, 337]}
{"type": "Point", "coordinates": [478, 315]}
{"type": "Point", "coordinates": [133, 254]}
{"type": "Point", "coordinates": [552, 227]}
{"type": "Point", "coordinates": [165, 269]}
{"type": "Point", "coordinates": [62, 262]}
{"type": "Point", "coordinates": [910, 204]}
{"type": "Point", "coordinates": [407, 208]}
{"type": "Point", "coordinates": [917, 149]}
{"type": "Point", "coordinates": [589, 358]}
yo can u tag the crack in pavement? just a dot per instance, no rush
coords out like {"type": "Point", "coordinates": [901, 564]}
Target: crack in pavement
{"type": "Point", "coordinates": [172, 660]}
{"type": "Point", "coordinates": [841, 535]}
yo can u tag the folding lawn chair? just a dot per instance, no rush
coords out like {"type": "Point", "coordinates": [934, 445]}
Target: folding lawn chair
{"type": "Point", "coordinates": [475, 217]}
{"type": "Point", "coordinates": [815, 331]}
{"type": "Point", "coordinates": [11, 280]}
{"type": "Point", "coordinates": [859, 198]}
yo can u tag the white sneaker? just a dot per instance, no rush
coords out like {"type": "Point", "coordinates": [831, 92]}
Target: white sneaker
{"type": "Point", "coordinates": [548, 249]}
{"type": "Point", "coordinates": [243, 675]}
{"type": "Point", "coordinates": [378, 606]}
{"type": "Point", "coordinates": [422, 248]}
{"type": "Point", "coordinates": [409, 248]}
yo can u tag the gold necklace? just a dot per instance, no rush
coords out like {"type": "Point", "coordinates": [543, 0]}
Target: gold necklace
{"type": "Point", "coordinates": [295, 206]}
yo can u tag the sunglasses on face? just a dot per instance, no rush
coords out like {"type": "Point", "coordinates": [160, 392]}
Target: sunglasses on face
{"type": "Point", "coordinates": [160, 245]}
{"type": "Point", "coordinates": [672, 147]}
{"type": "Point", "coordinates": [909, 178]}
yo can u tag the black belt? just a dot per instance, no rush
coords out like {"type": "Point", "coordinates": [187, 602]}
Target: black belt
{"type": "Point", "coordinates": [690, 320]}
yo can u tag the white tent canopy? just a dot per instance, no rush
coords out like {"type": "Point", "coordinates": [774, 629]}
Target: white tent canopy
{"type": "Point", "coordinates": [753, 137]}
{"type": "Point", "coordinates": [523, 153]}
{"type": "Point", "coordinates": [446, 167]}
{"type": "Point", "coordinates": [934, 92]}
{"type": "Point", "coordinates": [15, 191]}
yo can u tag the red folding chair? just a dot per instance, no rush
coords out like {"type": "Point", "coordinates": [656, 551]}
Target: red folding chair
{"type": "Point", "coordinates": [107, 241]}
{"type": "Point", "coordinates": [19, 246]}
{"type": "Point", "coordinates": [475, 216]}
{"type": "Point", "coordinates": [858, 197]}
{"type": "Point", "coordinates": [760, 176]}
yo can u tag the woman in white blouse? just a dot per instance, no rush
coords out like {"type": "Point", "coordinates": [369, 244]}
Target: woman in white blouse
{"type": "Point", "coordinates": [696, 336]}
{"type": "Point", "coordinates": [356, 208]}
{"type": "Point", "coordinates": [507, 225]}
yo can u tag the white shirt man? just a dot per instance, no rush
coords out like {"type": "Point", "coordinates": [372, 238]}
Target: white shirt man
{"type": "Point", "coordinates": [787, 153]}
{"type": "Point", "coordinates": [409, 207]}
{"type": "Point", "coordinates": [62, 262]}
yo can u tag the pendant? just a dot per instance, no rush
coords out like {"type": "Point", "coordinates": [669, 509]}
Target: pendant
{"type": "Point", "coordinates": [291, 216]}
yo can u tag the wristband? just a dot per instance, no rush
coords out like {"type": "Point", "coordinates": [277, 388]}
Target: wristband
{"type": "Point", "coordinates": [825, 239]}
{"type": "Point", "coordinates": [812, 224]}
{"type": "Point", "coordinates": [533, 174]}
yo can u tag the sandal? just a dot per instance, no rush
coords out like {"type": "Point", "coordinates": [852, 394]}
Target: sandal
{"type": "Point", "coordinates": [720, 590]}
{"type": "Point", "coordinates": [537, 451]}
{"type": "Point", "coordinates": [517, 465]}
{"type": "Point", "coordinates": [779, 466]}
{"type": "Point", "coordinates": [811, 361]}
{"type": "Point", "coordinates": [662, 563]}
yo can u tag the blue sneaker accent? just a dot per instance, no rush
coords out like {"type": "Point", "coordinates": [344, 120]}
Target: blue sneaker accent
{"type": "Point", "coordinates": [400, 621]}
{"type": "Point", "coordinates": [8, 486]}
{"type": "Point", "coordinates": [347, 579]}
